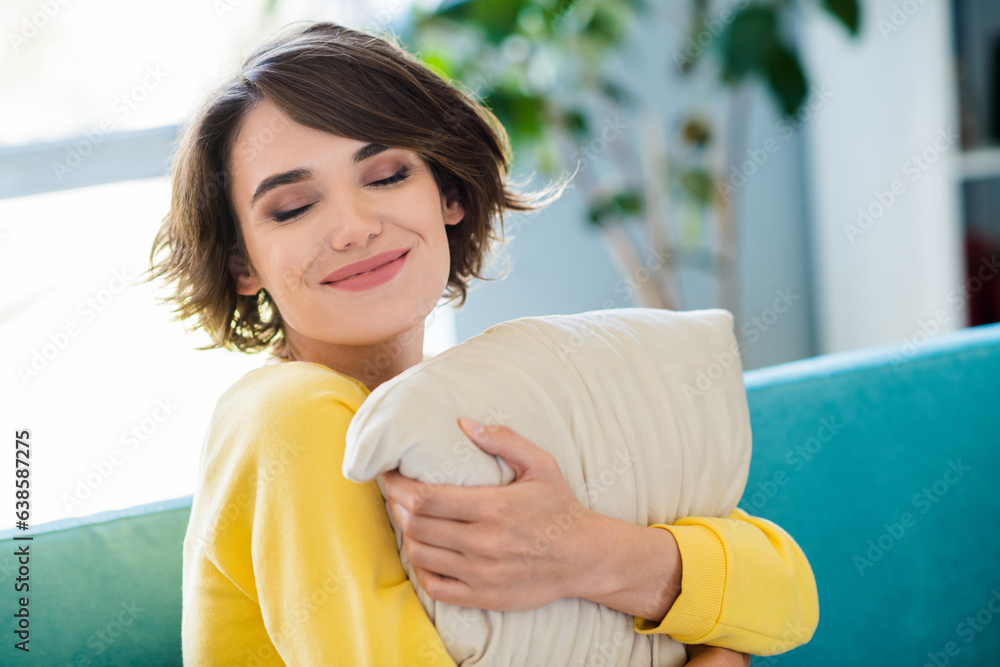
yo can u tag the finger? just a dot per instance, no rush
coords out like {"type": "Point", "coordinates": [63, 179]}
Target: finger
{"type": "Point", "coordinates": [396, 484]}
{"type": "Point", "coordinates": [444, 501]}
{"type": "Point", "coordinates": [409, 493]}
{"type": "Point", "coordinates": [455, 536]}
{"type": "Point", "coordinates": [449, 591]}
{"type": "Point", "coordinates": [440, 561]}
{"type": "Point", "coordinates": [522, 455]}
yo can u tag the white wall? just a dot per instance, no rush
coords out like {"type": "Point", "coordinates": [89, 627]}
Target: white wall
{"type": "Point", "coordinates": [892, 276]}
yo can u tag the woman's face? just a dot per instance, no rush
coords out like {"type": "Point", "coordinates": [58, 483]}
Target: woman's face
{"type": "Point", "coordinates": [310, 204]}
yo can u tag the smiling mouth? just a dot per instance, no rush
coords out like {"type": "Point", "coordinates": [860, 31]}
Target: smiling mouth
{"type": "Point", "coordinates": [368, 271]}
{"type": "Point", "coordinates": [372, 277]}
{"type": "Point", "coordinates": [374, 268]}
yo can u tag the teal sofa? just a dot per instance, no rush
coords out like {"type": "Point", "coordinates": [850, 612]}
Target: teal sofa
{"type": "Point", "coordinates": [884, 464]}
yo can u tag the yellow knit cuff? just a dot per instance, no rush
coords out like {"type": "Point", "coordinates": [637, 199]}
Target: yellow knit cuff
{"type": "Point", "coordinates": [696, 610]}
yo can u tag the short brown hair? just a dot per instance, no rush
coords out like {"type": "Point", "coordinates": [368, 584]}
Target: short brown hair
{"type": "Point", "coordinates": [349, 83]}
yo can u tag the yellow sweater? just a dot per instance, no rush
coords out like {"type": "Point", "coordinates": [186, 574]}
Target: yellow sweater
{"type": "Point", "coordinates": [287, 562]}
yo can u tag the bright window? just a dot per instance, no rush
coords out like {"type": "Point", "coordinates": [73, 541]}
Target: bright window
{"type": "Point", "coordinates": [115, 393]}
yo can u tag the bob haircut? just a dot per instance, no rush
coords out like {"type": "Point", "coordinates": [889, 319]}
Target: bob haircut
{"type": "Point", "coordinates": [349, 83]}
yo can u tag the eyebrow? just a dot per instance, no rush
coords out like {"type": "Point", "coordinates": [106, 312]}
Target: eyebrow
{"type": "Point", "coordinates": [297, 175]}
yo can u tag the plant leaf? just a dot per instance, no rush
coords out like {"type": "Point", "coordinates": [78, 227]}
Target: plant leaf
{"type": "Point", "coordinates": [496, 18]}
{"type": "Point", "coordinates": [623, 204]}
{"type": "Point", "coordinates": [787, 79]}
{"type": "Point", "coordinates": [628, 202]}
{"type": "Point", "coordinates": [576, 121]}
{"type": "Point", "coordinates": [748, 42]}
{"type": "Point", "coordinates": [847, 12]}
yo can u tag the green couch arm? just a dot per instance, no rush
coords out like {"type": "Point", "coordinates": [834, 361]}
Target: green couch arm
{"type": "Point", "coordinates": [104, 589]}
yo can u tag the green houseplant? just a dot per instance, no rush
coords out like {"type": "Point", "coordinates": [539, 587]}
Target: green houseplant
{"type": "Point", "coordinates": [539, 65]}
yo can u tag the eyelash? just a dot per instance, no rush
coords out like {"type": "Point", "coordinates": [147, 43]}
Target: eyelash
{"type": "Point", "coordinates": [399, 176]}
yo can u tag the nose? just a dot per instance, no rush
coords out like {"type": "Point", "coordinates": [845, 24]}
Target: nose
{"type": "Point", "coordinates": [356, 222]}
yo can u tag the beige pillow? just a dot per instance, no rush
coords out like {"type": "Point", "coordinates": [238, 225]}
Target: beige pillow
{"type": "Point", "coordinates": [644, 410]}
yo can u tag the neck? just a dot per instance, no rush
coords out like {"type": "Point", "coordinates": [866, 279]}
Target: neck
{"type": "Point", "coordinates": [371, 364]}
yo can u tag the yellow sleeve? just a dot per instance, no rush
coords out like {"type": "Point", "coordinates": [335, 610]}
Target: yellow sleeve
{"type": "Point", "coordinates": [315, 549]}
{"type": "Point", "coordinates": [745, 585]}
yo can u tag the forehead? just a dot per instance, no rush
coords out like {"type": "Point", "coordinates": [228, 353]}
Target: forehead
{"type": "Point", "coordinates": [268, 141]}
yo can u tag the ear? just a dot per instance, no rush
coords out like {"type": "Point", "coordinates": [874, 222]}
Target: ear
{"type": "Point", "coordinates": [453, 210]}
{"type": "Point", "coordinates": [246, 280]}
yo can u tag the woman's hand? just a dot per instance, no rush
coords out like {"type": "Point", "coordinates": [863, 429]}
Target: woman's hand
{"type": "Point", "coordinates": [530, 542]}
{"type": "Point", "coordinates": [504, 548]}
{"type": "Point", "coordinates": [713, 656]}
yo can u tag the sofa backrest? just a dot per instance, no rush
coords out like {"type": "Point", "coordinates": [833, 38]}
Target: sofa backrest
{"type": "Point", "coordinates": [883, 464]}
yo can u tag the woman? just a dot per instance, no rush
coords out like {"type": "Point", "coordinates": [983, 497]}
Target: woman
{"type": "Point", "coordinates": [324, 200]}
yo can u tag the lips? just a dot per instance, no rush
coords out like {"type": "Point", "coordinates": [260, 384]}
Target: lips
{"type": "Point", "coordinates": [365, 265]}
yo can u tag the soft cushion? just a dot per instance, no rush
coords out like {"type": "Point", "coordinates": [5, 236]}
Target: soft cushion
{"type": "Point", "coordinates": [644, 410]}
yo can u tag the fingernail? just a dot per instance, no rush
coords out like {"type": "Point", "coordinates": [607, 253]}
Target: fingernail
{"type": "Point", "coordinates": [472, 426]}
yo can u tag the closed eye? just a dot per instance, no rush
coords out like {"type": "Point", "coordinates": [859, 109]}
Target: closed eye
{"type": "Point", "coordinates": [283, 216]}
{"type": "Point", "coordinates": [400, 175]}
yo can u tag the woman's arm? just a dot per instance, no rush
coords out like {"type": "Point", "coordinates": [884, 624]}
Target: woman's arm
{"type": "Point", "coordinates": [711, 656]}
{"type": "Point", "coordinates": [753, 588]}
{"type": "Point", "coordinates": [702, 580]}
{"type": "Point", "coordinates": [309, 553]}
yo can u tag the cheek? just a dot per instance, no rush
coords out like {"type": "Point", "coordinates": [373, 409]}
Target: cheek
{"type": "Point", "coordinates": [285, 264]}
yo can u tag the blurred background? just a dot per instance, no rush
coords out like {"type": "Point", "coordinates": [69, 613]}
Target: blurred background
{"type": "Point", "coordinates": [827, 170]}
